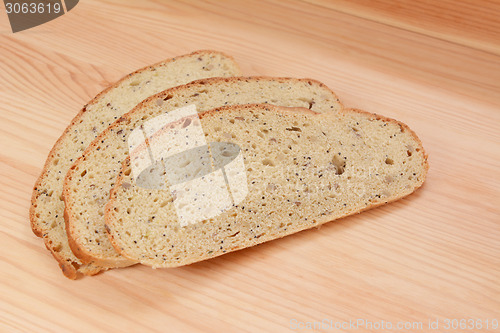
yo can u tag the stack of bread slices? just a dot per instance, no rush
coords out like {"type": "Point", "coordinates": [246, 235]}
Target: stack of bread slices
{"type": "Point", "coordinates": [186, 160]}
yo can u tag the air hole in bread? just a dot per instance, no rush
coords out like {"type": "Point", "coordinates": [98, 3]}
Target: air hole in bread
{"type": "Point", "coordinates": [338, 164]}
{"type": "Point", "coordinates": [268, 162]}
{"type": "Point", "coordinates": [186, 123]}
{"type": "Point", "coordinates": [271, 187]}
{"type": "Point", "coordinates": [187, 162]}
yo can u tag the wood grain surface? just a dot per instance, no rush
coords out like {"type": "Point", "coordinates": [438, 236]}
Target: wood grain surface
{"type": "Point", "coordinates": [432, 256]}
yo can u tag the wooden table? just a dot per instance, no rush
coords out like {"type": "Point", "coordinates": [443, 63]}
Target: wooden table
{"type": "Point", "coordinates": [435, 255]}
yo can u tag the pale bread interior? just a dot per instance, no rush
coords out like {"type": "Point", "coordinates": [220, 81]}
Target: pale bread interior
{"type": "Point", "coordinates": [91, 178]}
{"type": "Point", "coordinates": [302, 169]}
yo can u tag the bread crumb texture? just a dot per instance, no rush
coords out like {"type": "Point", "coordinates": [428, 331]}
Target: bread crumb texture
{"type": "Point", "coordinates": [90, 180]}
{"type": "Point", "coordinates": [47, 209]}
{"type": "Point", "coordinates": [303, 169]}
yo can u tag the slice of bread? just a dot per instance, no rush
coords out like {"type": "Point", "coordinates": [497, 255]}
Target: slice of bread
{"type": "Point", "coordinates": [47, 207]}
{"type": "Point", "coordinates": [90, 179]}
{"type": "Point", "coordinates": [301, 169]}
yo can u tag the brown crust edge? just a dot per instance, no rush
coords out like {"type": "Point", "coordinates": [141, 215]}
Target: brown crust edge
{"type": "Point", "coordinates": [87, 259]}
{"type": "Point", "coordinates": [406, 128]}
{"type": "Point", "coordinates": [326, 219]}
{"type": "Point", "coordinates": [66, 191]}
{"type": "Point", "coordinates": [69, 270]}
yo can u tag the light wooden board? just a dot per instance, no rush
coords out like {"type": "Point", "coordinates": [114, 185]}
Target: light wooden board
{"type": "Point", "coordinates": [432, 256]}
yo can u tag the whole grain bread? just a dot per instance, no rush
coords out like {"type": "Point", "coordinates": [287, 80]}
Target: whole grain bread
{"type": "Point", "coordinates": [47, 207]}
{"type": "Point", "coordinates": [90, 179]}
{"type": "Point", "coordinates": [301, 169]}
